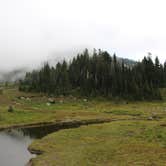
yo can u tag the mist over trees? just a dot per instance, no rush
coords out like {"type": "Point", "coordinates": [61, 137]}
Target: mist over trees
{"type": "Point", "coordinates": [99, 74]}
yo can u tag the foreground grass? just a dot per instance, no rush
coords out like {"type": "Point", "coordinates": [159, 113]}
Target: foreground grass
{"type": "Point", "coordinates": [137, 137]}
{"type": "Point", "coordinates": [115, 143]}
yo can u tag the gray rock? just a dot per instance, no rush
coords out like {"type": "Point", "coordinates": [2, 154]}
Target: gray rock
{"type": "Point", "coordinates": [85, 100]}
{"type": "Point", "coordinates": [150, 118]}
{"type": "Point", "coordinates": [28, 99]}
{"type": "Point", "coordinates": [22, 98]}
{"type": "Point", "coordinates": [51, 101]}
{"type": "Point", "coordinates": [48, 104]}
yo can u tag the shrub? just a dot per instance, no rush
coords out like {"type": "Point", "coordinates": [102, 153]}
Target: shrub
{"type": "Point", "coordinates": [10, 109]}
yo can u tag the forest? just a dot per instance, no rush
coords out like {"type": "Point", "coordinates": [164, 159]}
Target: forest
{"type": "Point", "coordinates": [99, 74]}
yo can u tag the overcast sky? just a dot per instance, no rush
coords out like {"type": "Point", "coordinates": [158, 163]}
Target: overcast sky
{"type": "Point", "coordinates": [33, 30]}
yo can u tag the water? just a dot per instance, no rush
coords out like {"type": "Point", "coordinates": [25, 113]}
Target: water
{"type": "Point", "coordinates": [14, 143]}
{"type": "Point", "coordinates": [13, 148]}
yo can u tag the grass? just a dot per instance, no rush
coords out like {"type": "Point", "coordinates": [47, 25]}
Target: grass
{"type": "Point", "coordinates": [137, 137]}
{"type": "Point", "coordinates": [33, 108]}
{"type": "Point", "coordinates": [117, 143]}
{"type": "Point", "coordinates": [36, 110]}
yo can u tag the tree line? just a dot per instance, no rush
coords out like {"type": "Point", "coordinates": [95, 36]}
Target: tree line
{"type": "Point", "coordinates": [99, 74]}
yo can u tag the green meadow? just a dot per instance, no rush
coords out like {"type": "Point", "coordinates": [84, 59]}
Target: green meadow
{"type": "Point", "coordinates": [135, 135]}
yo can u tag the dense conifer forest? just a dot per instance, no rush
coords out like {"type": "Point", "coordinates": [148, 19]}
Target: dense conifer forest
{"type": "Point", "coordinates": [99, 74]}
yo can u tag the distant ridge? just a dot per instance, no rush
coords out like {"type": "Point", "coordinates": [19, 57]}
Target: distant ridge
{"type": "Point", "coordinates": [127, 61]}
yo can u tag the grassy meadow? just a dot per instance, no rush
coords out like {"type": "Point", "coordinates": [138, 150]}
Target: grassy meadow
{"type": "Point", "coordinates": [136, 136]}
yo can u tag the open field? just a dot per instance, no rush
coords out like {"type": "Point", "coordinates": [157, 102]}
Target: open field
{"type": "Point", "coordinates": [116, 143]}
{"type": "Point", "coordinates": [137, 136]}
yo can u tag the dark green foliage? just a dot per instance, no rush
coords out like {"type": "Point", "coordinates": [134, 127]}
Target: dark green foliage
{"type": "Point", "coordinates": [99, 74]}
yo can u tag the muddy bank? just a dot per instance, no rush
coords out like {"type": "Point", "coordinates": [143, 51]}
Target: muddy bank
{"type": "Point", "coordinates": [59, 124]}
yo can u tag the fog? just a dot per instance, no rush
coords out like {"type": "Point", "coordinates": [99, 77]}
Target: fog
{"type": "Point", "coordinates": [36, 30]}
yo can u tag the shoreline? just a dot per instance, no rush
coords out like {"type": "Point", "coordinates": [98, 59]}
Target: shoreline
{"type": "Point", "coordinates": [60, 126]}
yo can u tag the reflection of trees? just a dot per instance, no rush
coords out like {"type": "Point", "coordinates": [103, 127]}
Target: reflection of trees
{"type": "Point", "coordinates": [15, 134]}
{"type": "Point", "coordinates": [40, 131]}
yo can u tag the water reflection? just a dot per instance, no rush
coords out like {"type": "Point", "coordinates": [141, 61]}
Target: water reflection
{"type": "Point", "coordinates": [14, 142]}
{"type": "Point", "coordinates": [13, 148]}
{"type": "Point", "coordinates": [41, 131]}
{"type": "Point", "coordinates": [38, 132]}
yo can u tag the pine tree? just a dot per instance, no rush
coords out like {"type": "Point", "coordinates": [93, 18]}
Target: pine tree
{"type": "Point", "coordinates": [99, 74]}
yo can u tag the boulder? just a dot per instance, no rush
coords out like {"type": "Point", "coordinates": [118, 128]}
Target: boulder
{"type": "Point", "coordinates": [48, 104]}
{"type": "Point", "coordinates": [51, 101]}
{"type": "Point", "coordinates": [21, 97]}
{"type": "Point", "coordinates": [85, 100]}
{"type": "Point", "coordinates": [150, 118]}
{"type": "Point", "coordinates": [28, 99]}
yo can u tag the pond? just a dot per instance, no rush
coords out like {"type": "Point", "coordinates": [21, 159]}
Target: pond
{"type": "Point", "coordinates": [14, 143]}
{"type": "Point", "coordinates": [13, 148]}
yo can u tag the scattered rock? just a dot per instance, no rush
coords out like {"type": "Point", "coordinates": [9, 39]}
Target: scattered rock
{"type": "Point", "coordinates": [85, 100]}
{"type": "Point", "coordinates": [48, 104]}
{"type": "Point", "coordinates": [16, 103]}
{"type": "Point", "coordinates": [51, 101]}
{"type": "Point", "coordinates": [61, 101]}
{"type": "Point", "coordinates": [28, 99]}
{"type": "Point", "coordinates": [154, 115]}
{"type": "Point", "coordinates": [21, 97]}
{"type": "Point", "coordinates": [150, 118]}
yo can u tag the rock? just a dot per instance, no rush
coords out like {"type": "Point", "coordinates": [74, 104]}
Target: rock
{"type": "Point", "coordinates": [85, 100]}
{"type": "Point", "coordinates": [48, 104]}
{"type": "Point", "coordinates": [154, 115]}
{"type": "Point", "coordinates": [22, 98]}
{"type": "Point", "coordinates": [61, 101]}
{"type": "Point", "coordinates": [28, 99]}
{"type": "Point", "coordinates": [51, 101]}
{"type": "Point", "coordinates": [16, 103]}
{"type": "Point", "coordinates": [150, 118]}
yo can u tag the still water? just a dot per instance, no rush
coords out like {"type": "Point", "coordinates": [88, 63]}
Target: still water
{"type": "Point", "coordinates": [14, 144]}
{"type": "Point", "coordinates": [13, 148]}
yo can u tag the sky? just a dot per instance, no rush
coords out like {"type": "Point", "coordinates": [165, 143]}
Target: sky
{"type": "Point", "coordinates": [32, 31]}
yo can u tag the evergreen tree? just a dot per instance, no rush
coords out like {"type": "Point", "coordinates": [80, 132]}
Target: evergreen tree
{"type": "Point", "coordinates": [99, 74]}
